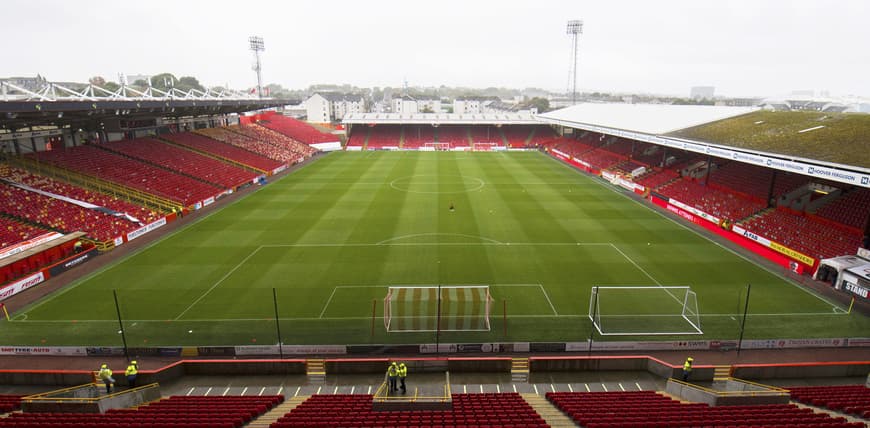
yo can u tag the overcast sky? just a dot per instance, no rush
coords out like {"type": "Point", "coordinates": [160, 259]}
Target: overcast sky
{"type": "Point", "coordinates": [753, 47]}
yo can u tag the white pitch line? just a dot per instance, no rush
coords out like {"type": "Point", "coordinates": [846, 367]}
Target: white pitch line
{"type": "Point", "coordinates": [327, 302]}
{"type": "Point", "coordinates": [547, 296]}
{"type": "Point", "coordinates": [645, 273]}
{"type": "Point", "coordinates": [218, 282]}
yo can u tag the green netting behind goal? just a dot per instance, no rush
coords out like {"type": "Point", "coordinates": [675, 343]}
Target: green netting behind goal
{"type": "Point", "coordinates": [639, 311]}
{"type": "Point", "coordinates": [416, 308]}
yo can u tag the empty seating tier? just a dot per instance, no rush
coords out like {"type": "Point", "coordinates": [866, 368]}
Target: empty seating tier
{"type": "Point", "coordinates": [9, 402]}
{"type": "Point", "coordinates": [810, 236]}
{"type": "Point", "coordinates": [648, 409]}
{"type": "Point", "coordinates": [852, 399]}
{"type": "Point", "coordinates": [59, 188]}
{"type": "Point", "coordinates": [469, 410]}
{"type": "Point", "coordinates": [712, 201]}
{"type": "Point", "coordinates": [264, 148]}
{"type": "Point", "coordinates": [157, 181]}
{"type": "Point", "coordinates": [418, 136]}
{"type": "Point", "coordinates": [13, 232]}
{"type": "Point", "coordinates": [274, 138]}
{"type": "Point", "coordinates": [850, 209]}
{"type": "Point", "coordinates": [297, 130]}
{"type": "Point", "coordinates": [221, 150]}
{"type": "Point", "coordinates": [384, 136]}
{"type": "Point", "coordinates": [183, 161]}
{"type": "Point", "coordinates": [172, 412]}
{"type": "Point", "coordinates": [61, 215]}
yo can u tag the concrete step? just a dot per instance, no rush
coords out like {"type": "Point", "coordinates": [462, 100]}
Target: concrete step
{"type": "Point", "coordinates": [552, 415]}
{"type": "Point", "coordinates": [721, 372]}
{"type": "Point", "coordinates": [277, 412]}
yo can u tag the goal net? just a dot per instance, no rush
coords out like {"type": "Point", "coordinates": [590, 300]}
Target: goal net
{"type": "Point", "coordinates": [639, 311]}
{"type": "Point", "coordinates": [416, 308]}
{"type": "Point", "coordinates": [437, 146]}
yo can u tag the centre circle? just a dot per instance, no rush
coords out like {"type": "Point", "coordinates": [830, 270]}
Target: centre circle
{"type": "Point", "coordinates": [437, 184]}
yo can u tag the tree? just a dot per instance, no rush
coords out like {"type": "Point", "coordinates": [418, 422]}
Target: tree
{"type": "Point", "coordinates": [426, 109]}
{"type": "Point", "coordinates": [542, 104]}
{"type": "Point", "coordinates": [186, 83]}
{"type": "Point", "coordinates": [97, 81]}
{"type": "Point", "coordinates": [163, 81]}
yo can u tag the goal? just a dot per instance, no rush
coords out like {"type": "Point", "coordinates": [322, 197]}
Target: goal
{"type": "Point", "coordinates": [437, 146]}
{"type": "Point", "coordinates": [640, 311]}
{"type": "Point", "coordinates": [416, 308]}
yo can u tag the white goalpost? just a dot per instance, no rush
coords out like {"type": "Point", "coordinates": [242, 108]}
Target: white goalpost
{"type": "Point", "coordinates": [434, 308]}
{"type": "Point", "coordinates": [641, 311]}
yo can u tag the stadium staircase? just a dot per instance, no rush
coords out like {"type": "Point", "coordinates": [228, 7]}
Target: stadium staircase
{"type": "Point", "coordinates": [270, 417]}
{"type": "Point", "coordinates": [721, 372]}
{"type": "Point", "coordinates": [365, 144]}
{"type": "Point", "coordinates": [554, 417]}
{"type": "Point", "coordinates": [401, 137]}
{"type": "Point", "coordinates": [531, 136]}
{"type": "Point", "coordinates": [520, 369]}
{"type": "Point", "coordinates": [504, 138]}
{"type": "Point", "coordinates": [315, 369]}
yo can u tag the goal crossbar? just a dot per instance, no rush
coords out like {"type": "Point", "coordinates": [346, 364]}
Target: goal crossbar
{"type": "Point", "coordinates": [644, 310]}
{"type": "Point", "coordinates": [431, 308]}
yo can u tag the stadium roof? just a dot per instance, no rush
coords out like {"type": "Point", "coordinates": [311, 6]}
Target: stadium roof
{"type": "Point", "coordinates": [771, 146]}
{"type": "Point", "coordinates": [831, 137]}
{"type": "Point", "coordinates": [646, 118]}
{"type": "Point", "coordinates": [440, 119]}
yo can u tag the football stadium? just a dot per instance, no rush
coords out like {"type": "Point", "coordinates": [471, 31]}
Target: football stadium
{"type": "Point", "coordinates": [237, 266]}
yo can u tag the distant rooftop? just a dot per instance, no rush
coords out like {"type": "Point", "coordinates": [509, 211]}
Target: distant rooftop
{"type": "Point", "coordinates": [506, 118]}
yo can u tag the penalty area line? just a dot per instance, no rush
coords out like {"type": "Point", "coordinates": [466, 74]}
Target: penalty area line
{"type": "Point", "coordinates": [227, 275]}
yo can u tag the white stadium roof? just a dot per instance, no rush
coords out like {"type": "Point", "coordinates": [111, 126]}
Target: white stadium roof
{"type": "Point", "coordinates": [440, 119]}
{"type": "Point", "coordinates": [652, 119]}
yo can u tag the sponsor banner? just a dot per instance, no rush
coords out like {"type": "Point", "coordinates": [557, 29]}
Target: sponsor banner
{"type": "Point", "coordinates": [104, 351]}
{"type": "Point", "coordinates": [864, 253]}
{"type": "Point", "coordinates": [478, 347]}
{"type": "Point", "coordinates": [314, 349]}
{"type": "Point", "coordinates": [119, 241]}
{"type": "Point", "coordinates": [63, 351]}
{"type": "Point", "coordinates": [427, 348]}
{"type": "Point", "coordinates": [28, 244]}
{"type": "Point", "coordinates": [216, 351]}
{"type": "Point", "coordinates": [582, 162]}
{"type": "Point", "coordinates": [21, 285]}
{"type": "Point", "coordinates": [638, 346]}
{"type": "Point", "coordinates": [801, 257]}
{"type": "Point", "coordinates": [197, 206]}
{"type": "Point", "coordinates": [723, 345]}
{"type": "Point", "coordinates": [855, 289]}
{"type": "Point", "coordinates": [745, 233]}
{"type": "Point", "coordinates": [794, 343]}
{"type": "Point", "coordinates": [354, 148]}
{"type": "Point", "coordinates": [257, 350]}
{"type": "Point", "coordinates": [208, 201]}
{"type": "Point", "coordinates": [858, 342]}
{"type": "Point", "coordinates": [71, 262]}
{"type": "Point", "coordinates": [29, 134]}
{"type": "Point", "coordinates": [157, 352]}
{"type": "Point", "coordinates": [546, 347]}
{"type": "Point", "coordinates": [279, 169]}
{"type": "Point", "coordinates": [695, 211]}
{"type": "Point", "coordinates": [147, 228]}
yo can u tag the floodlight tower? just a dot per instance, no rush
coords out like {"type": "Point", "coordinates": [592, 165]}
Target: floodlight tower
{"type": "Point", "coordinates": [256, 43]}
{"type": "Point", "coordinates": [575, 29]}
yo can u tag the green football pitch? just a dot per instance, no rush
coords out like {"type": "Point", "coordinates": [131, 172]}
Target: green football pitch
{"type": "Point", "coordinates": [322, 245]}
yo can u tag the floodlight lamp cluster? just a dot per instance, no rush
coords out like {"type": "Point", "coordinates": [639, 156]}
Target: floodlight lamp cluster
{"type": "Point", "coordinates": [575, 27]}
{"type": "Point", "coordinates": [256, 43]}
